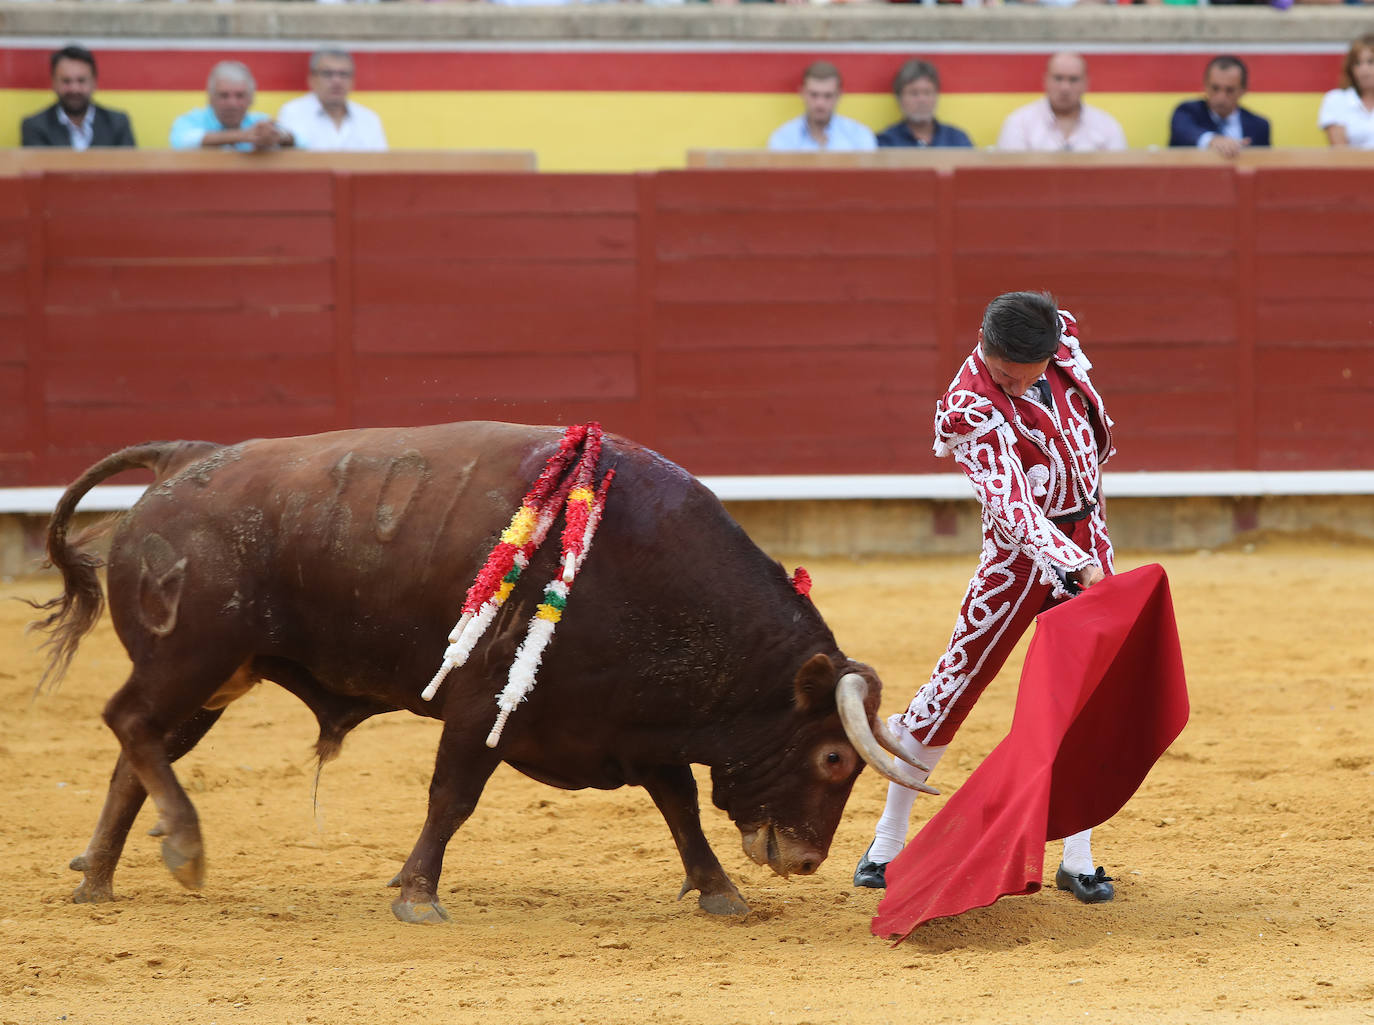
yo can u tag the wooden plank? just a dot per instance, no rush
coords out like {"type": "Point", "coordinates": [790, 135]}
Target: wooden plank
{"type": "Point", "coordinates": [1173, 452]}
{"type": "Point", "coordinates": [345, 379]}
{"type": "Point", "coordinates": [14, 337]}
{"type": "Point", "coordinates": [811, 376]}
{"type": "Point", "coordinates": [1077, 278]}
{"type": "Point", "coordinates": [647, 322]}
{"type": "Point", "coordinates": [1049, 232]}
{"type": "Point", "coordinates": [797, 325]}
{"type": "Point", "coordinates": [453, 237]}
{"type": "Point", "coordinates": [776, 190]}
{"type": "Point", "coordinates": [1180, 373]}
{"type": "Point", "coordinates": [766, 279]}
{"type": "Point", "coordinates": [14, 249]}
{"type": "Point", "coordinates": [1113, 189]}
{"type": "Point", "coordinates": [189, 382]}
{"type": "Point", "coordinates": [686, 234]}
{"type": "Point", "coordinates": [505, 283]}
{"type": "Point", "coordinates": [775, 434]}
{"type": "Point", "coordinates": [232, 287]}
{"type": "Point", "coordinates": [1245, 296]}
{"type": "Point", "coordinates": [214, 236]}
{"type": "Point", "coordinates": [14, 419]}
{"type": "Point", "coordinates": [622, 416]}
{"type": "Point", "coordinates": [162, 193]}
{"type": "Point", "coordinates": [1313, 276]}
{"type": "Point", "coordinates": [1306, 371]}
{"type": "Point", "coordinates": [1319, 230]}
{"type": "Point", "coordinates": [562, 194]}
{"type": "Point", "coordinates": [493, 328]}
{"type": "Point", "coordinates": [14, 204]}
{"type": "Point", "coordinates": [1281, 320]}
{"type": "Point", "coordinates": [242, 334]}
{"type": "Point", "coordinates": [1313, 188]}
{"type": "Point", "coordinates": [1312, 450]}
{"type": "Point", "coordinates": [71, 428]}
{"type": "Point", "coordinates": [1207, 414]}
{"type": "Point", "coordinates": [14, 296]}
{"type": "Point", "coordinates": [518, 376]}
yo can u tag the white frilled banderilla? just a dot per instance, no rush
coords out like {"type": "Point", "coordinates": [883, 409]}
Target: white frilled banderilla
{"type": "Point", "coordinates": [528, 528]}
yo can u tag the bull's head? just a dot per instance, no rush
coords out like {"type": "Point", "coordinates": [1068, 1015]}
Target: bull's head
{"type": "Point", "coordinates": [788, 816]}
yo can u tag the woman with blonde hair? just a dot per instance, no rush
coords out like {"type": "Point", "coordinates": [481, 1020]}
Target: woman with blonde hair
{"type": "Point", "coordinates": [1347, 114]}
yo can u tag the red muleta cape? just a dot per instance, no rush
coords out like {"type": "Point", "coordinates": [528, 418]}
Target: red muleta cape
{"type": "Point", "coordinates": [1102, 696]}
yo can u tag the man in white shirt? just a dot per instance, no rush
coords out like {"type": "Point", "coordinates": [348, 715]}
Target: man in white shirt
{"type": "Point", "coordinates": [327, 119]}
{"type": "Point", "coordinates": [1060, 120]}
{"type": "Point", "coordinates": [819, 128]}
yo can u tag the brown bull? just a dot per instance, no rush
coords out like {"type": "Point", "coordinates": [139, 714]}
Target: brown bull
{"type": "Point", "coordinates": [335, 565]}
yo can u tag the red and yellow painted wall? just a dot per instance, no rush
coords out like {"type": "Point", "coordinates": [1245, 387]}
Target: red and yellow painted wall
{"type": "Point", "coordinates": [607, 108]}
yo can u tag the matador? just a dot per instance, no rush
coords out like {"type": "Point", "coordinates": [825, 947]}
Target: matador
{"type": "Point", "coordinates": [1025, 424]}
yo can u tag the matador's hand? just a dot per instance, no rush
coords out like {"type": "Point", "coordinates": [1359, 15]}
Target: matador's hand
{"type": "Point", "coordinates": [1087, 576]}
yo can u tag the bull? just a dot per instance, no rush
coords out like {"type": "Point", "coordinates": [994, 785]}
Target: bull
{"type": "Point", "coordinates": [333, 565]}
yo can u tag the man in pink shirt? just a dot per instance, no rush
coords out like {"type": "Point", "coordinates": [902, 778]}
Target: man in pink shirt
{"type": "Point", "coordinates": [1060, 120]}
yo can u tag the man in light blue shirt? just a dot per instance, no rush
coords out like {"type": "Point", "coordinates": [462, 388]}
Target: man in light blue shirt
{"type": "Point", "coordinates": [227, 122]}
{"type": "Point", "coordinates": [820, 129]}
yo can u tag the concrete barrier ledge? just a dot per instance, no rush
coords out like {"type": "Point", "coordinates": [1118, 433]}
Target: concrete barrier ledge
{"type": "Point", "coordinates": [901, 25]}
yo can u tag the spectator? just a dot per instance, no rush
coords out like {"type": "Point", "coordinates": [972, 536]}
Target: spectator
{"type": "Point", "coordinates": [1218, 121]}
{"type": "Point", "coordinates": [917, 88]}
{"type": "Point", "coordinates": [227, 123]}
{"type": "Point", "coordinates": [1060, 120]}
{"type": "Point", "coordinates": [1347, 114]}
{"type": "Point", "coordinates": [326, 119]}
{"type": "Point", "coordinates": [74, 120]}
{"type": "Point", "coordinates": [820, 128]}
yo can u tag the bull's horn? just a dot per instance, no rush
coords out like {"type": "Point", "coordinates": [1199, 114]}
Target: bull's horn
{"type": "Point", "coordinates": [849, 698]}
{"type": "Point", "coordinates": [893, 746]}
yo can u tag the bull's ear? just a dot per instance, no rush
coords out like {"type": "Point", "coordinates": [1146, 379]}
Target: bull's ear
{"type": "Point", "coordinates": [815, 684]}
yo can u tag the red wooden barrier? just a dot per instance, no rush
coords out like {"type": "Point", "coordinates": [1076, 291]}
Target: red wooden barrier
{"type": "Point", "coordinates": [754, 321]}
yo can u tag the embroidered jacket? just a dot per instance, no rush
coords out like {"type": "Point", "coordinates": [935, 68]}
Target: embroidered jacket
{"type": "Point", "coordinates": [1030, 465]}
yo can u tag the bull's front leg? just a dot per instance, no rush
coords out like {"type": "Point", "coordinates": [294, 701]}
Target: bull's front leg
{"type": "Point", "coordinates": [674, 790]}
{"type": "Point", "coordinates": [462, 767]}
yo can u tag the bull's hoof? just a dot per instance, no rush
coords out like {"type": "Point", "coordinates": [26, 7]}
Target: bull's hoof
{"type": "Point", "coordinates": [419, 912]}
{"type": "Point", "coordinates": [90, 892]}
{"type": "Point", "coordinates": [187, 866]}
{"type": "Point", "coordinates": [723, 904]}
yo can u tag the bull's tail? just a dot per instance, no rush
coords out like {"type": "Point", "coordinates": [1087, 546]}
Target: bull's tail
{"type": "Point", "coordinates": [72, 614]}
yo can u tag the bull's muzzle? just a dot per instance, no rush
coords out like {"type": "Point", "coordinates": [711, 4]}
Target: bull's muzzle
{"type": "Point", "coordinates": [784, 854]}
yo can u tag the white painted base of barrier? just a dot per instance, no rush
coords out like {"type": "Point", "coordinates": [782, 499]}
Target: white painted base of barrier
{"type": "Point", "coordinates": [811, 487]}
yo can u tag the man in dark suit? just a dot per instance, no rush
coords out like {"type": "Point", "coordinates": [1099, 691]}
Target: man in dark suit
{"type": "Point", "coordinates": [74, 120]}
{"type": "Point", "coordinates": [1218, 121]}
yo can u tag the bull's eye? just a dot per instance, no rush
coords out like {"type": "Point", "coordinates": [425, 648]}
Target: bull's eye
{"type": "Point", "coordinates": [834, 763]}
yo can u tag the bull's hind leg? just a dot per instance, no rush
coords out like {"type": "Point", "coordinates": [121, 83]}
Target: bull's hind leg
{"type": "Point", "coordinates": [674, 790]}
{"type": "Point", "coordinates": [146, 714]}
{"type": "Point", "coordinates": [461, 769]}
{"type": "Point", "coordinates": [122, 804]}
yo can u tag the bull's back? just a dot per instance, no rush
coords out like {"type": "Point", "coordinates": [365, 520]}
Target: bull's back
{"type": "Point", "coordinates": [351, 552]}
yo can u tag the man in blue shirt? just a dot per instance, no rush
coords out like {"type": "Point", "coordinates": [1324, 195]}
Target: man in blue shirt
{"type": "Point", "coordinates": [917, 88]}
{"type": "Point", "coordinates": [1218, 121]}
{"type": "Point", "coordinates": [227, 123]}
{"type": "Point", "coordinates": [819, 128]}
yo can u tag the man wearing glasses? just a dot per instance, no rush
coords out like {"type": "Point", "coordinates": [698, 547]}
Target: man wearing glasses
{"type": "Point", "coordinates": [326, 119]}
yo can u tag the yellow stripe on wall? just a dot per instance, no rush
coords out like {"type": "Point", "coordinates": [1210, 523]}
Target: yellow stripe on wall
{"type": "Point", "coordinates": [629, 131]}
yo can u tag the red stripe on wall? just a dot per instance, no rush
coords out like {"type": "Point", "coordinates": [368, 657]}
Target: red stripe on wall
{"type": "Point", "coordinates": [682, 71]}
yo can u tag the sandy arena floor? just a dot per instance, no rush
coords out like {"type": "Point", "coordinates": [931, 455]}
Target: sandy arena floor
{"type": "Point", "coordinates": [1245, 865]}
